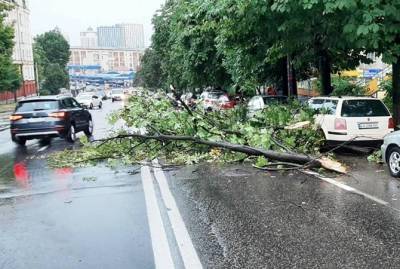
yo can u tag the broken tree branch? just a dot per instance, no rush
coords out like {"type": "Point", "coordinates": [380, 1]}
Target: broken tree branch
{"type": "Point", "coordinates": [269, 154]}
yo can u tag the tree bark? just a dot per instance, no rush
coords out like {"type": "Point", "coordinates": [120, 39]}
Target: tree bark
{"type": "Point", "coordinates": [285, 83]}
{"type": "Point", "coordinates": [325, 72]}
{"type": "Point", "coordinates": [293, 82]}
{"type": "Point", "coordinates": [295, 158]}
{"type": "Point", "coordinates": [396, 92]}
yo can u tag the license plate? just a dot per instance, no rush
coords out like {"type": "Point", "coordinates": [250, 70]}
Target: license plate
{"type": "Point", "coordinates": [34, 120]}
{"type": "Point", "coordinates": [368, 125]}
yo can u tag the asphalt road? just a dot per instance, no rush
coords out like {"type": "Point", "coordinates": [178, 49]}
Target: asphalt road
{"type": "Point", "coordinates": [195, 217]}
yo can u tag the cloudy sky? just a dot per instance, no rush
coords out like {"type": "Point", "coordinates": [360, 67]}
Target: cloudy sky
{"type": "Point", "coordinates": [73, 16]}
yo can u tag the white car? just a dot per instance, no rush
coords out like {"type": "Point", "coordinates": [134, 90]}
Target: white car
{"type": "Point", "coordinates": [259, 102]}
{"type": "Point", "coordinates": [89, 101]}
{"type": "Point", "coordinates": [117, 95]}
{"type": "Point", "coordinates": [391, 153]}
{"type": "Point", "coordinates": [361, 120]}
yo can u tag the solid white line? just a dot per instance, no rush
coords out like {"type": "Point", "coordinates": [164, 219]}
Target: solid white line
{"type": "Point", "coordinates": [185, 244]}
{"type": "Point", "coordinates": [43, 148]}
{"type": "Point", "coordinates": [349, 189]}
{"type": "Point", "coordinates": [161, 250]}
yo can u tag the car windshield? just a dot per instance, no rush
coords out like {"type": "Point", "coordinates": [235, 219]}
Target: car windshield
{"type": "Point", "coordinates": [364, 108]}
{"type": "Point", "coordinates": [275, 100]}
{"type": "Point", "coordinates": [38, 105]}
{"type": "Point", "coordinates": [214, 95]}
{"type": "Point", "coordinates": [84, 97]}
{"type": "Point", "coordinates": [117, 91]}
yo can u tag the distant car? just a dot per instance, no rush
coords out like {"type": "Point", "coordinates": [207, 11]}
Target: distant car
{"type": "Point", "coordinates": [47, 117]}
{"type": "Point", "coordinates": [360, 120]}
{"type": "Point", "coordinates": [259, 102]}
{"type": "Point", "coordinates": [88, 100]}
{"type": "Point", "coordinates": [224, 102]}
{"type": "Point", "coordinates": [117, 95]}
{"type": "Point", "coordinates": [210, 99]}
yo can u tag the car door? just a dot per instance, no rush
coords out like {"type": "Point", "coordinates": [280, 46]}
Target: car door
{"type": "Point", "coordinates": [78, 113]}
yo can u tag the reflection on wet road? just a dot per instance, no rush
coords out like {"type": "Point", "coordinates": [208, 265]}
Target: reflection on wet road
{"type": "Point", "coordinates": [69, 218]}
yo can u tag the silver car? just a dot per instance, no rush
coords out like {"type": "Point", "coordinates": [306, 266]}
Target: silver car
{"type": "Point", "coordinates": [391, 153]}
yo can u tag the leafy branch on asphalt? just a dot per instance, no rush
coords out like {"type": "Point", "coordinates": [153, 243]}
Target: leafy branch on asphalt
{"type": "Point", "coordinates": [154, 128]}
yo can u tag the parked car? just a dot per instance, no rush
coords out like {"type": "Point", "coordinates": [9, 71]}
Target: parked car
{"type": "Point", "coordinates": [224, 102]}
{"type": "Point", "coordinates": [391, 153]}
{"type": "Point", "coordinates": [117, 95]}
{"type": "Point", "coordinates": [360, 120]}
{"type": "Point", "coordinates": [88, 100]}
{"type": "Point", "coordinates": [47, 117]}
{"type": "Point", "coordinates": [259, 102]}
{"type": "Point", "coordinates": [210, 99]}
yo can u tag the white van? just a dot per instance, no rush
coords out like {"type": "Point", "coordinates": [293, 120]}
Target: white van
{"type": "Point", "coordinates": [358, 119]}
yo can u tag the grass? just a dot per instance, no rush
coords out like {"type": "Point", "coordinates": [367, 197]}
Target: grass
{"type": "Point", "coordinates": [6, 108]}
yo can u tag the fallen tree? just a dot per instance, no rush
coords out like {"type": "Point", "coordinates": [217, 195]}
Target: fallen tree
{"type": "Point", "coordinates": [154, 128]}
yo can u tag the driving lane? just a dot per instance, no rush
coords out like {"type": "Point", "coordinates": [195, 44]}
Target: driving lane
{"type": "Point", "coordinates": [70, 218]}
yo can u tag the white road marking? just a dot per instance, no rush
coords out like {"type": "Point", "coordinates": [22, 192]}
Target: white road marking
{"type": "Point", "coordinates": [161, 250]}
{"type": "Point", "coordinates": [43, 148]}
{"type": "Point", "coordinates": [349, 189]}
{"type": "Point", "coordinates": [185, 244]}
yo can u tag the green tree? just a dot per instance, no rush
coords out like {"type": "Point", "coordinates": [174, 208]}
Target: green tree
{"type": "Point", "coordinates": [55, 79]}
{"type": "Point", "coordinates": [314, 26]}
{"type": "Point", "coordinates": [150, 74]}
{"type": "Point", "coordinates": [51, 53]}
{"type": "Point", "coordinates": [375, 25]}
{"type": "Point", "coordinates": [10, 79]}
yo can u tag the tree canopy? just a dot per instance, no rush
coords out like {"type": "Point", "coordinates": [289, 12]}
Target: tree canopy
{"type": "Point", "coordinates": [51, 53]}
{"type": "Point", "coordinates": [246, 44]}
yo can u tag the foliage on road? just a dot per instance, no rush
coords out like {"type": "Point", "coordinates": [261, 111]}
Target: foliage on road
{"type": "Point", "coordinates": [51, 53]}
{"type": "Point", "coordinates": [186, 137]}
{"type": "Point", "coordinates": [10, 78]}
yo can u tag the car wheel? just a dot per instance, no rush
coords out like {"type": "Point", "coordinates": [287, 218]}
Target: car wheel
{"type": "Point", "coordinates": [100, 105]}
{"type": "Point", "coordinates": [71, 136]}
{"type": "Point", "coordinates": [18, 140]}
{"type": "Point", "coordinates": [89, 129]}
{"type": "Point", "coordinates": [113, 100]}
{"type": "Point", "coordinates": [91, 106]}
{"type": "Point", "coordinates": [394, 161]}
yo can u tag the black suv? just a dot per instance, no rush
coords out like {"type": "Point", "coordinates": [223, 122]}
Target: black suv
{"type": "Point", "coordinates": [49, 116]}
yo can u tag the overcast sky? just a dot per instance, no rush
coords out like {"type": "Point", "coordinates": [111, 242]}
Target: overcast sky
{"type": "Point", "coordinates": [73, 16]}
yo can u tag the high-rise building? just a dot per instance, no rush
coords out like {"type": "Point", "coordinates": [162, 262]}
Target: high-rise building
{"type": "Point", "coordinates": [89, 38]}
{"type": "Point", "coordinates": [19, 18]}
{"type": "Point", "coordinates": [109, 59]}
{"type": "Point", "coordinates": [133, 35]}
{"type": "Point", "coordinates": [128, 36]}
{"type": "Point", "coordinates": [110, 37]}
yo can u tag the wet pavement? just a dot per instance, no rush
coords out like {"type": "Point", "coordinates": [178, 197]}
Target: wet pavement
{"type": "Point", "coordinates": [69, 218]}
{"type": "Point", "coordinates": [209, 216]}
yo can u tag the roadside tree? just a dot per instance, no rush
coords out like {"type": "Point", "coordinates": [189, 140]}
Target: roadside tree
{"type": "Point", "coordinates": [10, 78]}
{"type": "Point", "coordinates": [51, 53]}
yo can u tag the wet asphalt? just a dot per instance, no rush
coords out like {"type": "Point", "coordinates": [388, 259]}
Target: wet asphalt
{"type": "Point", "coordinates": [237, 217]}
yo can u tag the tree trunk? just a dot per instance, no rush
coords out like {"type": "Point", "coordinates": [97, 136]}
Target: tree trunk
{"type": "Point", "coordinates": [396, 93]}
{"type": "Point", "coordinates": [301, 159]}
{"type": "Point", "coordinates": [285, 83]}
{"type": "Point", "coordinates": [293, 83]}
{"type": "Point", "coordinates": [325, 73]}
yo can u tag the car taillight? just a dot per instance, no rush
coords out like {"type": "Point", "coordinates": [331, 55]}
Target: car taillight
{"type": "Point", "coordinates": [15, 117]}
{"type": "Point", "coordinates": [391, 123]}
{"type": "Point", "coordinates": [340, 124]}
{"type": "Point", "coordinates": [59, 115]}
